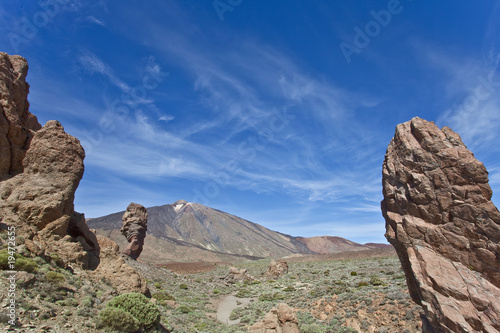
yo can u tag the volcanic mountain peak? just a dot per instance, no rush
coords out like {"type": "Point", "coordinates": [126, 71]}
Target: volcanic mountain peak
{"type": "Point", "coordinates": [185, 231]}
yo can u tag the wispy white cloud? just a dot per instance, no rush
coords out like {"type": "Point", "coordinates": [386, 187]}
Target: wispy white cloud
{"type": "Point", "coordinates": [93, 64]}
{"type": "Point", "coordinates": [476, 116]}
{"type": "Point", "coordinates": [243, 88]}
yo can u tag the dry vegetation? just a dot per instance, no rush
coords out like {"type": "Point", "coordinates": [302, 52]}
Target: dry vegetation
{"type": "Point", "coordinates": [334, 295]}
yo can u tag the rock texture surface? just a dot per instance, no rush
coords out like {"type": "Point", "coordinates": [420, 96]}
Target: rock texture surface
{"type": "Point", "coordinates": [444, 227]}
{"type": "Point", "coordinates": [236, 275]}
{"type": "Point", "coordinates": [114, 269]}
{"type": "Point", "coordinates": [17, 124]}
{"type": "Point", "coordinates": [277, 269]}
{"type": "Point", "coordinates": [134, 227]}
{"type": "Point", "coordinates": [282, 319]}
{"type": "Point", "coordinates": [39, 201]}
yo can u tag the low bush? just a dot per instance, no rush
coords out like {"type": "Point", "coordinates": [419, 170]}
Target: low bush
{"type": "Point", "coordinates": [21, 263]}
{"type": "Point", "coordinates": [271, 297]}
{"type": "Point", "coordinates": [139, 306]}
{"type": "Point", "coordinates": [375, 281]}
{"type": "Point", "coordinates": [162, 296]}
{"type": "Point", "coordinates": [184, 309]}
{"type": "Point", "coordinates": [54, 277]}
{"type": "Point", "coordinates": [119, 320]}
{"type": "Point", "coordinates": [236, 313]}
{"type": "Point", "coordinates": [243, 293]}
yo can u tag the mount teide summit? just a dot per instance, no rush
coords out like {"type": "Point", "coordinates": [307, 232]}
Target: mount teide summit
{"type": "Point", "coordinates": [190, 231]}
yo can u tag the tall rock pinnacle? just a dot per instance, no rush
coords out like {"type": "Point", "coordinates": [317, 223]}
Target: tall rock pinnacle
{"type": "Point", "coordinates": [444, 227]}
{"type": "Point", "coordinates": [135, 225]}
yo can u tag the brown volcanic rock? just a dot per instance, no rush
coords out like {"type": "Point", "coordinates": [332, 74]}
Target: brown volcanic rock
{"type": "Point", "coordinates": [277, 268]}
{"type": "Point", "coordinates": [36, 196]}
{"type": "Point", "coordinates": [444, 227]}
{"type": "Point", "coordinates": [39, 201]}
{"type": "Point", "coordinates": [135, 225]}
{"type": "Point", "coordinates": [282, 319]}
{"type": "Point", "coordinates": [17, 124]}
{"type": "Point", "coordinates": [236, 275]}
{"type": "Point", "coordinates": [115, 269]}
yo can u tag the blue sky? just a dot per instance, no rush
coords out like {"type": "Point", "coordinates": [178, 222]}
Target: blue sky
{"type": "Point", "coordinates": [279, 112]}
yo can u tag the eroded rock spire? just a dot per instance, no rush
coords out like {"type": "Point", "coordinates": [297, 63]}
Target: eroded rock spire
{"type": "Point", "coordinates": [446, 231]}
{"type": "Point", "coordinates": [135, 225]}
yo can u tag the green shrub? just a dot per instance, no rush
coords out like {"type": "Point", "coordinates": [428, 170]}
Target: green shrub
{"type": "Point", "coordinates": [119, 320]}
{"type": "Point", "coordinates": [271, 297]}
{"type": "Point", "coordinates": [54, 277]}
{"type": "Point", "coordinates": [375, 281]}
{"type": "Point", "coordinates": [354, 273]}
{"type": "Point", "coordinates": [363, 284]}
{"type": "Point", "coordinates": [163, 296]}
{"type": "Point", "coordinates": [87, 302]}
{"type": "Point", "coordinates": [157, 285]}
{"type": "Point", "coordinates": [201, 326]}
{"type": "Point", "coordinates": [216, 292]}
{"type": "Point", "coordinates": [21, 263]}
{"type": "Point", "coordinates": [183, 286]}
{"type": "Point", "coordinates": [242, 293]}
{"type": "Point", "coordinates": [289, 288]}
{"type": "Point", "coordinates": [311, 328]}
{"type": "Point", "coordinates": [236, 313]}
{"type": "Point", "coordinates": [139, 306]}
{"type": "Point", "coordinates": [184, 309]}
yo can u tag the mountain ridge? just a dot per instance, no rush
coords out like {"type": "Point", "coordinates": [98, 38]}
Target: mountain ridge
{"type": "Point", "coordinates": [191, 231]}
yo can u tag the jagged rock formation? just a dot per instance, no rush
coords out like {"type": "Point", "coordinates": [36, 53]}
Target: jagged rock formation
{"type": "Point", "coordinates": [135, 225]}
{"type": "Point", "coordinates": [115, 269]}
{"type": "Point", "coordinates": [236, 275]}
{"type": "Point", "coordinates": [444, 227]}
{"type": "Point", "coordinates": [282, 319]}
{"type": "Point", "coordinates": [277, 268]}
{"type": "Point", "coordinates": [39, 201]}
{"type": "Point", "coordinates": [17, 124]}
{"type": "Point", "coordinates": [40, 169]}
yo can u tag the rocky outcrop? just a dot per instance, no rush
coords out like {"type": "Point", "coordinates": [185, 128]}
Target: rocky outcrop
{"type": "Point", "coordinates": [17, 124]}
{"type": "Point", "coordinates": [115, 270]}
{"type": "Point", "coordinates": [40, 169]}
{"type": "Point", "coordinates": [39, 201]}
{"type": "Point", "coordinates": [135, 225]}
{"type": "Point", "coordinates": [277, 269]}
{"type": "Point", "coordinates": [236, 275]}
{"type": "Point", "coordinates": [282, 319]}
{"type": "Point", "coordinates": [444, 227]}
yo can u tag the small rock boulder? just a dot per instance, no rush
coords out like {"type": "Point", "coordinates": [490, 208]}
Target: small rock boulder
{"type": "Point", "coordinates": [277, 269]}
{"type": "Point", "coordinates": [282, 319]}
{"type": "Point", "coordinates": [236, 275]}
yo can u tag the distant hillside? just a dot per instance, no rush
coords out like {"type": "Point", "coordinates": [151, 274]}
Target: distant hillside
{"type": "Point", "coordinates": [185, 231]}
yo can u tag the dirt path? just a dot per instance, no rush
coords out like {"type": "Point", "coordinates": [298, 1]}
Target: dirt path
{"type": "Point", "coordinates": [227, 304]}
